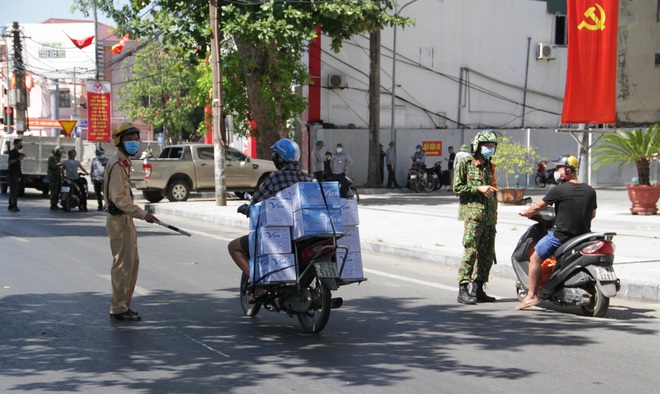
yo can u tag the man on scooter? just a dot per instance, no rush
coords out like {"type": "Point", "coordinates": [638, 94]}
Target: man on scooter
{"type": "Point", "coordinates": [70, 168]}
{"type": "Point", "coordinates": [575, 207]}
{"type": "Point", "coordinates": [285, 156]}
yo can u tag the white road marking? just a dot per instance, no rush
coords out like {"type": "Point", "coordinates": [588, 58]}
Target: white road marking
{"type": "Point", "coordinates": [411, 280]}
{"type": "Point", "coordinates": [19, 239]}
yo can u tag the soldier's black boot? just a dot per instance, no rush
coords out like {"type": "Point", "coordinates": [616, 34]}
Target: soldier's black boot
{"type": "Point", "coordinates": [464, 296]}
{"type": "Point", "coordinates": [479, 294]}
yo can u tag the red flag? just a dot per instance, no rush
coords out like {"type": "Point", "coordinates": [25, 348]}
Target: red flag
{"type": "Point", "coordinates": [81, 43]}
{"type": "Point", "coordinates": [590, 95]}
{"type": "Point", "coordinates": [117, 48]}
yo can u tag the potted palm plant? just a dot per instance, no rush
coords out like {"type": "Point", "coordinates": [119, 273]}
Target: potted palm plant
{"type": "Point", "coordinates": [513, 158]}
{"type": "Point", "coordinates": [638, 147]}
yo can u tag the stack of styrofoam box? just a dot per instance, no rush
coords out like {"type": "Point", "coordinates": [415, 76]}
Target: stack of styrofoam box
{"type": "Point", "coordinates": [311, 216]}
{"type": "Point", "coordinates": [353, 263]}
{"type": "Point", "coordinates": [270, 241]}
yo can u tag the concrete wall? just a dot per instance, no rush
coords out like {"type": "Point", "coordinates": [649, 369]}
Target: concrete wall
{"type": "Point", "coordinates": [547, 142]}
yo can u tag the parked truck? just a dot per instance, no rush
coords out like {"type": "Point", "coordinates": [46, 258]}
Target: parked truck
{"type": "Point", "coordinates": [34, 166]}
{"type": "Point", "coordinates": [181, 169]}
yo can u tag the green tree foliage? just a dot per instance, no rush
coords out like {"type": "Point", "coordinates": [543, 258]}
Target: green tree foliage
{"type": "Point", "coordinates": [263, 47]}
{"type": "Point", "coordinates": [628, 147]}
{"type": "Point", "coordinates": [157, 90]}
{"type": "Point", "coordinates": [514, 158]}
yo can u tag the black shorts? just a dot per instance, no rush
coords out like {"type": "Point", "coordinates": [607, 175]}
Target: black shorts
{"type": "Point", "coordinates": [245, 244]}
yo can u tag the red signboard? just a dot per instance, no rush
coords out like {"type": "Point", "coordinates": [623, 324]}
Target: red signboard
{"type": "Point", "coordinates": [98, 111]}
{"type": "Point", "coordinates": [432, 148]}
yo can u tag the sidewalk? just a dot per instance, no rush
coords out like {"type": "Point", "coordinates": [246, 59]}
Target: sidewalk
{"type": "Point", "coordinates": [425, 227]}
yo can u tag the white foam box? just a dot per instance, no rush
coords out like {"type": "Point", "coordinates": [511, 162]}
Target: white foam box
{"type": "Point", "coordinates": [353, 265]}
{"type": "Point", "coordinates": [316, 221]}
{"type": "Point", "coordinates": [281, 267]}
{"type": "Point", "coordinates": [308, 195]}
{"type": "Point", "coordinates": [349, 212]}
{"type": "Point", "coordinates": [351, 238]}
{"type": "Point", "coordinates": [270, 240]}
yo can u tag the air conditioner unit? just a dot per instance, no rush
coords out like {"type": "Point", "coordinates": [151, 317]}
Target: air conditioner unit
{"type": "Point", "coordinates": [336, 81]}
{"type": "Point", "coordinates": [545, 51]}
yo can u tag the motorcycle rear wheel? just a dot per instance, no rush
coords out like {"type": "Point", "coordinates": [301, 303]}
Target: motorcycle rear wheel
{"type": "Point", "coordinates": [539, 181]}
{"type": "Point", "coordinates": [315, 319]}
{"type": "Point", "coordinates": [65, 205]}
{"type": "Point", "coordinates": [599, 303]}
{"type": "Point", "coordinates": [432, 185]}
{"type": "Point", "coordinates": [248, 309]}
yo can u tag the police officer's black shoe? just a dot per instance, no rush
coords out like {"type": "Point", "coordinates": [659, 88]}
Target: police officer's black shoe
{"type": "Point", "coordinates": [464, 296]}
{"type": "Point", "coordinates": [479, 293]}
{"type": "Point", "coordinates": [127, 315]}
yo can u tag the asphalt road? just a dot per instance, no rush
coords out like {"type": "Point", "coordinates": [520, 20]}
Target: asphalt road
{"type": "Point", "coordinates": [402, 331]}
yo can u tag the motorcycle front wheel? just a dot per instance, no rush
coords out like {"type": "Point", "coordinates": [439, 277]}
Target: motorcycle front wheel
{"type": "Point", "coordinates": [353, 193]}
{"type": "Point", "coordinates": [599, 303]}
{"type": "Point", "coordinates": [248, 309]}
{"type": "Point", "coordinates": [317, 316]}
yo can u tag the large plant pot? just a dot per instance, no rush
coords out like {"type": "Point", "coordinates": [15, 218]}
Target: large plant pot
{"type": "Point", "coordinates": [510, 195]}
{"type": "Point", "coordinates": [644, 199]}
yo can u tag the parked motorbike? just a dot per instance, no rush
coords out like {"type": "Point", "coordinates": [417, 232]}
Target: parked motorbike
{"type": "Point", "coordinates": [352, 191]}
{"type": "Point", "coordinates": [420, 178]}
{"type": "Point", "coordinates": [309, 297]}
{"type": "Point", "coordinates": [71, 195]}
{"type": "Point", "coordinates": [541, 179]}
{"type": "Point", "coordinates": [582, 274]}
{"type": "Point", "coordinates": [442, 177]}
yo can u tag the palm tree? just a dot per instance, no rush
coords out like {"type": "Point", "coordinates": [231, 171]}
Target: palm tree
{"type": "Point", "coordinates": [627, 147]}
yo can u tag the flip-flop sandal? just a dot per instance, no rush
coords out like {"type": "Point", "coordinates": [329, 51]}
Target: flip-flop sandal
{"type": "Point", "coordinates": [525, 305]}
{"type": "Point", "coordinates": [254, 298]}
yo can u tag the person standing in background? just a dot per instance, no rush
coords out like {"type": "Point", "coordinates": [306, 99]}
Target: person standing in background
{"type": "Point", "coordinates": [450, 165]}
{"type": "Point", "coordinates": [55, 176]}
{"type": "Point", "coordinates": [390, 160]}
{"type": "Point", "coordinates": [318, 155]}
{"type": "Point", "coordinates": [14, 174]}
{"type": "Point", "coordinates": [381, 167]}
{"type": "Point", "coordinates": [98, 175]}
{"type": "Point", "coordinates": [341, 162]}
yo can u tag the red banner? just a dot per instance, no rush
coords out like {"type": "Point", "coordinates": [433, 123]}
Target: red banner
{"type": "Point", "coordinates": [432, 148]}
{"type": "Point", "coordinates": [98, 111]}
{"type": "Point", "coordinates": [590, 95]}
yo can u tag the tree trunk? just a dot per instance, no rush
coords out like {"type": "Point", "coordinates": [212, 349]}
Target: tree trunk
{"type": "Point", "coordinates": [266, 115]}
{"type": "Point", "coordinates": [373, 172]}
{"type": "Point", "coordinates": [644, 171]}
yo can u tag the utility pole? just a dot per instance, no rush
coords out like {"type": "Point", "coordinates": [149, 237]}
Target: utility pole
{"type": "Point", "coordinates": [373, 170]}
{"type": "Point", "coordinates": [19, 71]}
{"type": "Point", "coordinates": [218, 143]}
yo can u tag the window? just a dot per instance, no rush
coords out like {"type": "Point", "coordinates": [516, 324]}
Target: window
{"type": "Point", "coordinates": [205, 153]}
{"type": "Point", "coordinates": [52, 51]}
{"type": "Point", "coordinates": [233, 155]}
{"type": "Point", "coordinates": [65, 98]}
{"type": "Point", "coordinates": [560, 29]}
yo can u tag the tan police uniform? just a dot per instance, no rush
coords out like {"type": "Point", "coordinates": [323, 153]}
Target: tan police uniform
{"type": "Point", "coordinates": [121, 230]}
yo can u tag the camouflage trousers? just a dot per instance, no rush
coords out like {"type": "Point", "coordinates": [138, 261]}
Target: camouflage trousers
{"type": "Point", "coordinates": [479, 253]}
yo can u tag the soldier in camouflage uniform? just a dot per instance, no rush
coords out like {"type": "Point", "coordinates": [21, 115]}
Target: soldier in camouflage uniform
{"type": "Point", "coordinates": [55, 176]}
{"type": "Point", "coordinates": [476, 186]}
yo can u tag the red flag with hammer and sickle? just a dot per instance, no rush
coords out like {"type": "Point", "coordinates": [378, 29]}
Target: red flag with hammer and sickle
{"type": "Point", "coordinates": [590, 95]}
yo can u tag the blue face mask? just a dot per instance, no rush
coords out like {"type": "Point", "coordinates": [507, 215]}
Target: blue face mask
{"type": "Point", "coordinates": [131, 147]}
{"type": "Point", "coordinates": [339, 150]}
{"type": "Point", "coordinates": [487, 152]}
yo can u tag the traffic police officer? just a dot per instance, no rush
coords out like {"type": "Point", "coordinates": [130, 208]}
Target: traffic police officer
{"type": "Point", "coordinates": [55, 176]}
{"type": "Point", "coordinates": [119, 223]}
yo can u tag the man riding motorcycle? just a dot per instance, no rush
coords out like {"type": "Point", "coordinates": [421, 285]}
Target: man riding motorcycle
{"type": "Point", "coordinates": [575, 206]}
{"type": "Point", "coordinates": [285, 156]}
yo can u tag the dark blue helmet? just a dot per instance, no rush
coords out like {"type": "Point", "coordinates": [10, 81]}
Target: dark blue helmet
{"type": "Point", "coordinates": [99, 151]}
